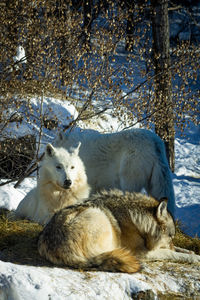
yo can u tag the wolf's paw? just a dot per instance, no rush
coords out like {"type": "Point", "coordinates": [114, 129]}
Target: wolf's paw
{"type": "Point", "coordinates": [183, 250]}
{"type": "Point", "coordinates": [194, 258]}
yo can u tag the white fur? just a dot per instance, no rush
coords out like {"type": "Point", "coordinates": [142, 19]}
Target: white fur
{"type": "Point", "coordinates": [167, 254]}
{"type": "Point", "coordinates": [51, 194]}
{"type": "Point", "coordinates": [129, 160]}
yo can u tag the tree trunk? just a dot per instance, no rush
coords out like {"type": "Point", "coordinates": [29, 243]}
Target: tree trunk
{"type": "Point", "coordinates": [164, 117]}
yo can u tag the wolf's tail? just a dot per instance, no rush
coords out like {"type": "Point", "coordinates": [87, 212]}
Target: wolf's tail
{"type": "Point", "coordinates": [118, 260]}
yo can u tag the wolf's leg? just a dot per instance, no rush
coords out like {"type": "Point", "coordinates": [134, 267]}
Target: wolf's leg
{"type": "Point", "coordinates": [182, 250]}
{"type": "Point", "coordinates": [167, 254]}
{"type": "Point", "coordinates": [161, 185]}
{"type": "Point", "coordinates": [26, 208]}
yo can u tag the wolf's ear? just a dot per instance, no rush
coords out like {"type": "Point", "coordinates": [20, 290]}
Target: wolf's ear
{"type": "Point", "coordinates": [50, 151]}
{"type": "Point", "coordinates": [162, 213]}
{"type": "Point", "coordinates": [76, 150]}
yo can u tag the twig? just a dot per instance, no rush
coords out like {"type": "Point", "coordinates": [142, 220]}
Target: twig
{"type": "Point", "coordinates": [148, 116]}
{"type": "Point", "coordinates": [6, 182]}
{"type": "Point", "coordinates": [29, 171]}
{"type": "Point", "coordinates": [8, 121]}
{"type": "Point", "coordinates": [94, 115]}
{"type": "Point", "coordinates": [41, 123]}
{"type": "Point", "coordinates": [172, 66]}
{"type": "Point", "coordinates": [72, 124]}
{"type": "Point", "coordinates": [175, 8]}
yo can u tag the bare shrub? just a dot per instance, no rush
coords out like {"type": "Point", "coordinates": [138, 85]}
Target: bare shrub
{"type": "Point", "coordinates": [97, 53]}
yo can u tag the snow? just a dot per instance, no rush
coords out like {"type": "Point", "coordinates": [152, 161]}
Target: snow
{"type": "Point", "coordinates": [10, 197]}
{"type": "Point", "coordinates": [20, 58]}
{"type": "Point", "coordinates": [21, 55]}
{"type": "Point", "coordinates": [58, 283]}
{"type": "Point", "coordinates": [30, 282]}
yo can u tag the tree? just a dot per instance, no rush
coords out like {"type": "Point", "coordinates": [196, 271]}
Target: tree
{"type": "Point", "coordinates": [98, 54]}
{"type": "Point", "coordinates": [164, 116]}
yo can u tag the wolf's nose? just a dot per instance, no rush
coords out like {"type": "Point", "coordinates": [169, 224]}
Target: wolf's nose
{"type": "Point", "coordinates": [67, 183]}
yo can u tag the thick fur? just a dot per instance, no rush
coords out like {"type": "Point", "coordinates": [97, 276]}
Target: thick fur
{"type": "Point", "coordinates": [129, 160]}
{"type": "Point", "coordinates": [111, 231]}
{"type": "Point", "coordinates": [62, 182]}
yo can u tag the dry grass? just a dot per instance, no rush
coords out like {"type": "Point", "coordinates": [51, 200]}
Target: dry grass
{"type": "Point", "coordinates": [18, 241]}
{"type": "Point", "coordinates": [184, 241]}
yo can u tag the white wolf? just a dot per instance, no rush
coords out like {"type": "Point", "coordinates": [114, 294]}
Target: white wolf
{"type": "Point", "coordinates": [128, 160]}
{"type": "Point", "coordinates": [62, 182]}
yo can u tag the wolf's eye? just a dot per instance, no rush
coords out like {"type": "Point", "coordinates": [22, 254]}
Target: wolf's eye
{"type": "Point", "coordinates": [58, 167]}
{"type": "Point", "coordinates": [72, 167]}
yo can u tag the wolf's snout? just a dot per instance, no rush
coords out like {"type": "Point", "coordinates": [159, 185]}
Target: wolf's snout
{"type": "Point", "coordinates": [67, 183]}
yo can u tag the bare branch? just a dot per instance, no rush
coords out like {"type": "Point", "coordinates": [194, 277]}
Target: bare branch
{"type": "Point", "coordinates": [29, 170]}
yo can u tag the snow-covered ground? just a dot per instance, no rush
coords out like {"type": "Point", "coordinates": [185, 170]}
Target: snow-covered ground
{"type": "Point", "coordinates": [30, 282]}
{"type": "Point", "coordinates": [187, 180]}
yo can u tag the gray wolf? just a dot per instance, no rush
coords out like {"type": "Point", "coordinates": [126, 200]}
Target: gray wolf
{"type": "Point", "coordinates": [129, 160]}
{"type": "Point", "coordinates": [111, 231]}
{"type": "Point", "coordinates": [62, 181]}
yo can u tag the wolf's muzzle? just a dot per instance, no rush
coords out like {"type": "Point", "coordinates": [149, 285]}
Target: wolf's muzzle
{"type": "Point", "coordinates": [67, 183]}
